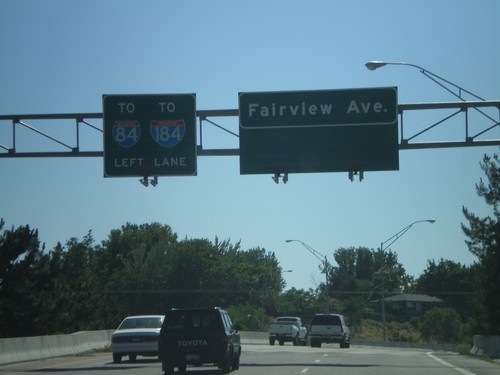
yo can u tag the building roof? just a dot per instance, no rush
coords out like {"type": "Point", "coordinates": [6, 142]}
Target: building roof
{"type": "Point", "coordinates": [413, 298]}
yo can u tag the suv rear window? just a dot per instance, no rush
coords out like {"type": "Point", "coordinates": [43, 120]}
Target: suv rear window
{"type": "Point", "coordinates": [192, 320]}
{"type": "Point", "coordinates": [326, 320]}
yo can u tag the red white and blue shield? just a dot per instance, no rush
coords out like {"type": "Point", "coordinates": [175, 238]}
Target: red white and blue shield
{"type": "Point", "coordinates": [126, 132]}
{"type": "Point", "coordinates": [168, 133]}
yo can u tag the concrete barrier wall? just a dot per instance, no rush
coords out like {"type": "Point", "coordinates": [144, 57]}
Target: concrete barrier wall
{"type": "Point", "coordinates": [254, 338]}
{"type": "Point", "coordinates": [39, 347]}
{"type": "Point", "coordinates": [486, 345]}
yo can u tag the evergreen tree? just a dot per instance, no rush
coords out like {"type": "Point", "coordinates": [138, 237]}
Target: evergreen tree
{"type": "Point", "coordinates": [484, 242]}
{"type": "Point", "coordinates": [22, 270]}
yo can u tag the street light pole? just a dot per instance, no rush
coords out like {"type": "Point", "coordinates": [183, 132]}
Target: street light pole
{"type": "Point", "coordinates": [372, 65]}
{"type": "Point", "coordinates": [391, 240]}
{"type": "Point", "coordinates": [322, 258]}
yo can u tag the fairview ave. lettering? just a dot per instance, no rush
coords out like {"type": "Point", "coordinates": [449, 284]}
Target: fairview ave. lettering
{"type": "Point", "coordinates": [289, 109]}
{"type": "Point", "coordinates": [292, 110]}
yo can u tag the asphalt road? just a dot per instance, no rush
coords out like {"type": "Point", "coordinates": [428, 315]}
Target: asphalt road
{"type": "Point", "coordinates": [280, 360]}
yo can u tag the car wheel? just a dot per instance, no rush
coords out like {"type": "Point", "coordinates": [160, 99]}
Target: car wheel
{"type": "Point", "coordinates": [132, 357]}
{"type": "Point", "coordinates": [117, 358]}
{"type": "Point", "coordinates": [235, 363]}
{"type": "Point", "coordinates": [296, 341]}
{"type": "Point", "coordinates": [304, 341]}
{"type": "Point", "coordinates": [271, 341]}
{"type": "Point", "coordinates": [168, 369]}
{"type": "Point", "coordinates": [226, 364]}
{"type": "Point", "coordinates": [282, 342]}
{"type": "Point", "coordinates": [182, 368]}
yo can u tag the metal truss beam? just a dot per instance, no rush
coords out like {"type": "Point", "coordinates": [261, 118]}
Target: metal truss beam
{"type": "Point", "coordinates": [10, 126]}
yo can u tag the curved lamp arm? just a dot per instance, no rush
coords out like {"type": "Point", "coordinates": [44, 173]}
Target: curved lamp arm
{"type": "Point", "coordinates": [372, 65]}
{"type": "Point", "coordinates": [396, 236]}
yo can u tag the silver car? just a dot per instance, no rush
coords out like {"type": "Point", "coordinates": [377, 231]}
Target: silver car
{"type": "Point", "coordinates": [136, 335]}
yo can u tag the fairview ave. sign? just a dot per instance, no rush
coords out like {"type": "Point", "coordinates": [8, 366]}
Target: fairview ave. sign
{"type": "Point", "coordinates": [374, 106]}
{"type": "Point", "coordinates": [353, 130]}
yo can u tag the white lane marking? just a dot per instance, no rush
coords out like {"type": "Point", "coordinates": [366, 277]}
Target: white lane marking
{"type": "Point", "coordinates": [304, 371]}
{"type": "Point", "coordinates": [459, 369]}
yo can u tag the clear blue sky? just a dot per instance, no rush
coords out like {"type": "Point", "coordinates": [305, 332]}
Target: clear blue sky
{"type": "Point", "coordinates": [62, 56]}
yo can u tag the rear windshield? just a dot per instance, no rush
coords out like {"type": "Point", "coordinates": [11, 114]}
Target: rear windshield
{"type": "Point", "coordinates": [193, 320]}
{"type": "Point", "coordinates": [292, 320]}
{"type": "Point", "coordinates": [146, 322]}
{"type": "Point", "coordinates": [326, 320]}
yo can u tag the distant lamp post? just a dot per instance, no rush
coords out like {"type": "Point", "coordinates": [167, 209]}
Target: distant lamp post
{"type": "Point", "coordinates": [388, 243]}
{"type": "Point", "coordinates": [322, 258]}
{"type": "Point", "coordinates": [444, 83]}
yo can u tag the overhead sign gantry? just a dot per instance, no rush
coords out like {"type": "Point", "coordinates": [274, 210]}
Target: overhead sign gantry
{"type": "Point", "coordinates": [126, 152]}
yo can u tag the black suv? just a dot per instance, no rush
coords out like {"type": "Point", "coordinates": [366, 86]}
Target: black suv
{"type": "Point", "coordinates": [196, 337]}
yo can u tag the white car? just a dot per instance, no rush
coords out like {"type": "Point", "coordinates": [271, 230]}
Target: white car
{"type": "Point", "coordinates": [136, 335]}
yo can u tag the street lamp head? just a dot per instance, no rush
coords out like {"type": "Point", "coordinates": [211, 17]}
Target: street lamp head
{"type": "Point", "coordinates": [372, 65]}
{"type": "Point", "coordinates": [432, 221]}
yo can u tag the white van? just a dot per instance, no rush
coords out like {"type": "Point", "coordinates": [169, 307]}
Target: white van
{"type": "Point", "coordinates": [329, 328]}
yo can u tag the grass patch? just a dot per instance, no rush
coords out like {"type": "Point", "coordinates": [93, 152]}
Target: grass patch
{"type": "Point", "coordinates": [373, 330]}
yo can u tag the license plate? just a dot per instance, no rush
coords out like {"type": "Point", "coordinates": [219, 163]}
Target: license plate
{"type": "Point", "coordinates": [192, 357]}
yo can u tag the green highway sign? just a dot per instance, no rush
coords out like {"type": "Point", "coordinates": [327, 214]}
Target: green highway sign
{"type": "Point", "coordinates": [149, 135]}
{"type": "Point", "coordinates": [372, 106]}
{"type": "Point", "coordinates": [319, 131]}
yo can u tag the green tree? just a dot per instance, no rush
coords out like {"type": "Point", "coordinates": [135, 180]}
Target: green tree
{"type": "Point", "coordinates": [76, 283]}
{"type": "Point", "coordinates": [450, 281]}
{"type": "Point", "coordinates": [484, 242]}
{"type": "Point", "coordinates": [130, 267]}
{"type": "Point", "coordinates": [23, 268]}
{"type": "Point", "coordinates": [299, 302]}
{"type": "Point", "coordinates": [144, 269]}
{"type": "Point", "coordinates": [194, 277]}
{"type": "Point", "coordinates": [441, 325]}
{"type": "Point", "coordinates": [360, 270]}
